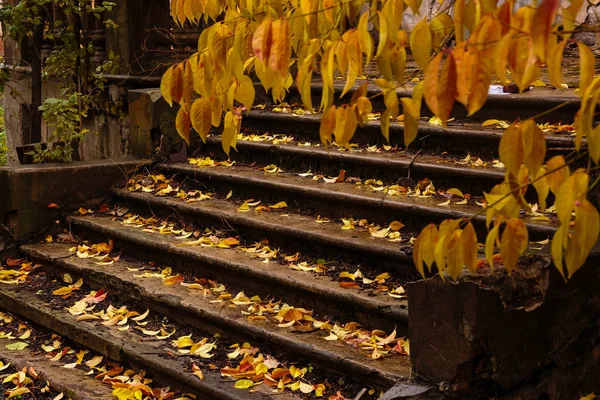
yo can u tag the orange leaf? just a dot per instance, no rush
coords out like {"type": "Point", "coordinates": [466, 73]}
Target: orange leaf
{"type": "Point", "coordinates": [262, 40]}
{"type": "Point", "coordinates": [514, 242]}
{"type": "Point", "coordinates": [480, 84]}
{"type": "Point", "coordinates": [182, 123]}
{"type": "Point", "coordinates": [328, 122]}
{"type": "Point", "coordinates": [281, 48]}
{"type": "Point", "coordinates": [446, 90]}
{"type": "Point", "coordinates": [431, 84]}
{"type": "Point", "coordinates": [201, 117]}
{"type": "Point", "coordinates": [541, 26]}
{"type": "Point", "coordinates": [349, 285]}
{"type": "Point", "coordinates": [165, 85]}
{"type": "Point", "coordinates": [177, 83]}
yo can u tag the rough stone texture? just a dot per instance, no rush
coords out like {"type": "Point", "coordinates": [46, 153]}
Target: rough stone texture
{"type": "Point", "coordinates": [129, 347]}
{"type": "Point", "coordinates": [147, 112]}
{"type": "Point", "coordinates": [464, 335]}
{"type": "Point", "coordinates": [28, 190]}
{"type": "Point", "coordinates": [72, 382]}
{"type": "Point", "coordinates": [105, 139]}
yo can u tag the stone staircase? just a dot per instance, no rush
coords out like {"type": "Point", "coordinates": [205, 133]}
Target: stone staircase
{"type": "Point", "coordinates": [300, 251]}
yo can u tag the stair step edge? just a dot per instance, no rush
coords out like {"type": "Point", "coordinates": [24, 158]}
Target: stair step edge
{"type": "Point", "coordinates": [177, 298]}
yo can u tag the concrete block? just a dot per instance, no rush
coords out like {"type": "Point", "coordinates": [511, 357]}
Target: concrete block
{"type": "Point", "coordinates": [26, 191]}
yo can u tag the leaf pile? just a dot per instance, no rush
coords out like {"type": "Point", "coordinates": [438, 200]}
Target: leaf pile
{"type": "Point", "coordinates": [11, 276]}
{"type": "Point", "coordinates": [160, 185]}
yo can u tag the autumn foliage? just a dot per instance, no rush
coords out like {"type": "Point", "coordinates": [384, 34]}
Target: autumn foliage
{"type": "Point", "coordinates": [259, 39]}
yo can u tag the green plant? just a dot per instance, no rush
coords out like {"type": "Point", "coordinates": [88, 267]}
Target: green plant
{"type": "Point", "coordinates": [70, 62]}
{"type": "Point", "coordinates": [3, 149]}
{"type": "Point", "coordinates": [64, 116]}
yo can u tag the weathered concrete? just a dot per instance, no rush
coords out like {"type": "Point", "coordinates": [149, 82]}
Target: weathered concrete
{"type": "Point", "coordinates": [530, 336]}
{"type": "Point", "coordinates": [28, 190]}
{"type": "Point", "coordinates": [338, 200]}
{"type": "Point", "coordinates": [185, 306]}
{"type": "Point", "coordinates": [74, 383]}
{"type": "Point", "coordinates": [237, 269]}
{"type": "Point", "coordinates": [147, 112]}
{"type": "Point", "coordinates": [126, 347]}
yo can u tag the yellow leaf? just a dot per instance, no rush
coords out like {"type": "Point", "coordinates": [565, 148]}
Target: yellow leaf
{"type": "Point", "coordinates": [94, 362]}
{"type": "Point", "coordinates": [541, 25]}
{"type": "Point", "coordinates": [501, 56]}
{"type": "Point", "coordinates": [411, 120]}
{"type": "Point", "coordinates": [63, 291]}
{"type": "Point", "coordinates": [201, 117]}
{"type": "Point", "coordinates": [165, 85]}
{"type": "Point", "coordinates": [396, 226]}
{"type": "Point", "coordinates": [560, 173]}
{"type": "Point", "coordinates": [383, 33]}
{"type": "Point", "coordinates": [447, 229]}
{"type": "Point", "coordinates": [17, 346]}
{"type": "Point", "coordinates": [182, 123]}
{"type": "Point", "coordinates": [306, 388]}
{"type": "Point", "coordinates": [554, 62]}
{"type": "Point", "coordinates": [454, 259]}
{"type": "Point", "coordinates": [468, 243]}
{"type": "Point", "coordinates": [365, 38]}
{"type": "Point", "coordinates": [230, 132]}
{"type": "Point", "coordinates": [279, 56]}
{"type": "Point", "coordinates": [585, 235]}
{"type": "Point", "coordinates": [534, 145]}
{"type": "Point", "coordinates": [424, 247]}
{"type": "Point", "coordinates": [455, 192]}
{"type": "Point", "coordinates": [353, 59]}
{"type": "Point", "coordinates": [574, 189]}
{"type": "Point", "coordinates": [586, 65]}
{"type": "Point", "coordinates": [490, 242]}
{"type": "Point", "coordinates": [245, 92]}
{"type": "Point", "coordinates": [557, 248]}
{"type": "Point", "coordinates": [123, 393]}
{"type": "Point", "coordinates": [262, 40]}
{"type": "Point", "coordinates": [420, 43]}
{"type": "Point", "coordinates": [480, 81]}
{"type": "Point", "coordinates": [304, 80]}
{"type": "Point", "coordinates": [514, 242]}
{"type": "Point", "coordinates": [278, 206]}
{"type": "Point", "coordinates": [243, 384]}
{"type": "Point", "coordinates": [328, 124]}
{"type": "Point", "coordinates": [188, 86]}
{"type": "Point", "coordinates": [18, 392]}
{"type": "Point", "coordinates": [430, 87]}
{"type": "Point", "coordinates": [542, 188]}
{"type": "Point", "coordinates": [177, 83]}
{"type": "Point", "coordinates": [345, 124]}
{"type": "Point", "coordinates": [511, 149]}
{"type": "Point", "coordinates": [459, 31]}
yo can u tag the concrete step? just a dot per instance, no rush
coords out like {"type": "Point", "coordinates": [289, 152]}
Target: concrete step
{"type": "Point", "coordinates": [129, 346]}
{"type": "Point", "coordinates": [238, 269]}
{"type": "Point", "coordinates": [72, 383]}
{"type": "Point", "coordinates": [339, 200]}
{"type": "Point", "coordinates": [290, 231]}
{"type": "Point", "coordinates": [185, 306]}
{"type": "Point", "coordinates": [386, 166]}
{"type": "Point", "coordinates": [461, 137]}
{"type": "Point", "coordinates": [535, 102]}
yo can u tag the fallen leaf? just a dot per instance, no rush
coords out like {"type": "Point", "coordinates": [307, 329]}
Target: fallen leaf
{"type": "Point", "coordinates": [18, 346]}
